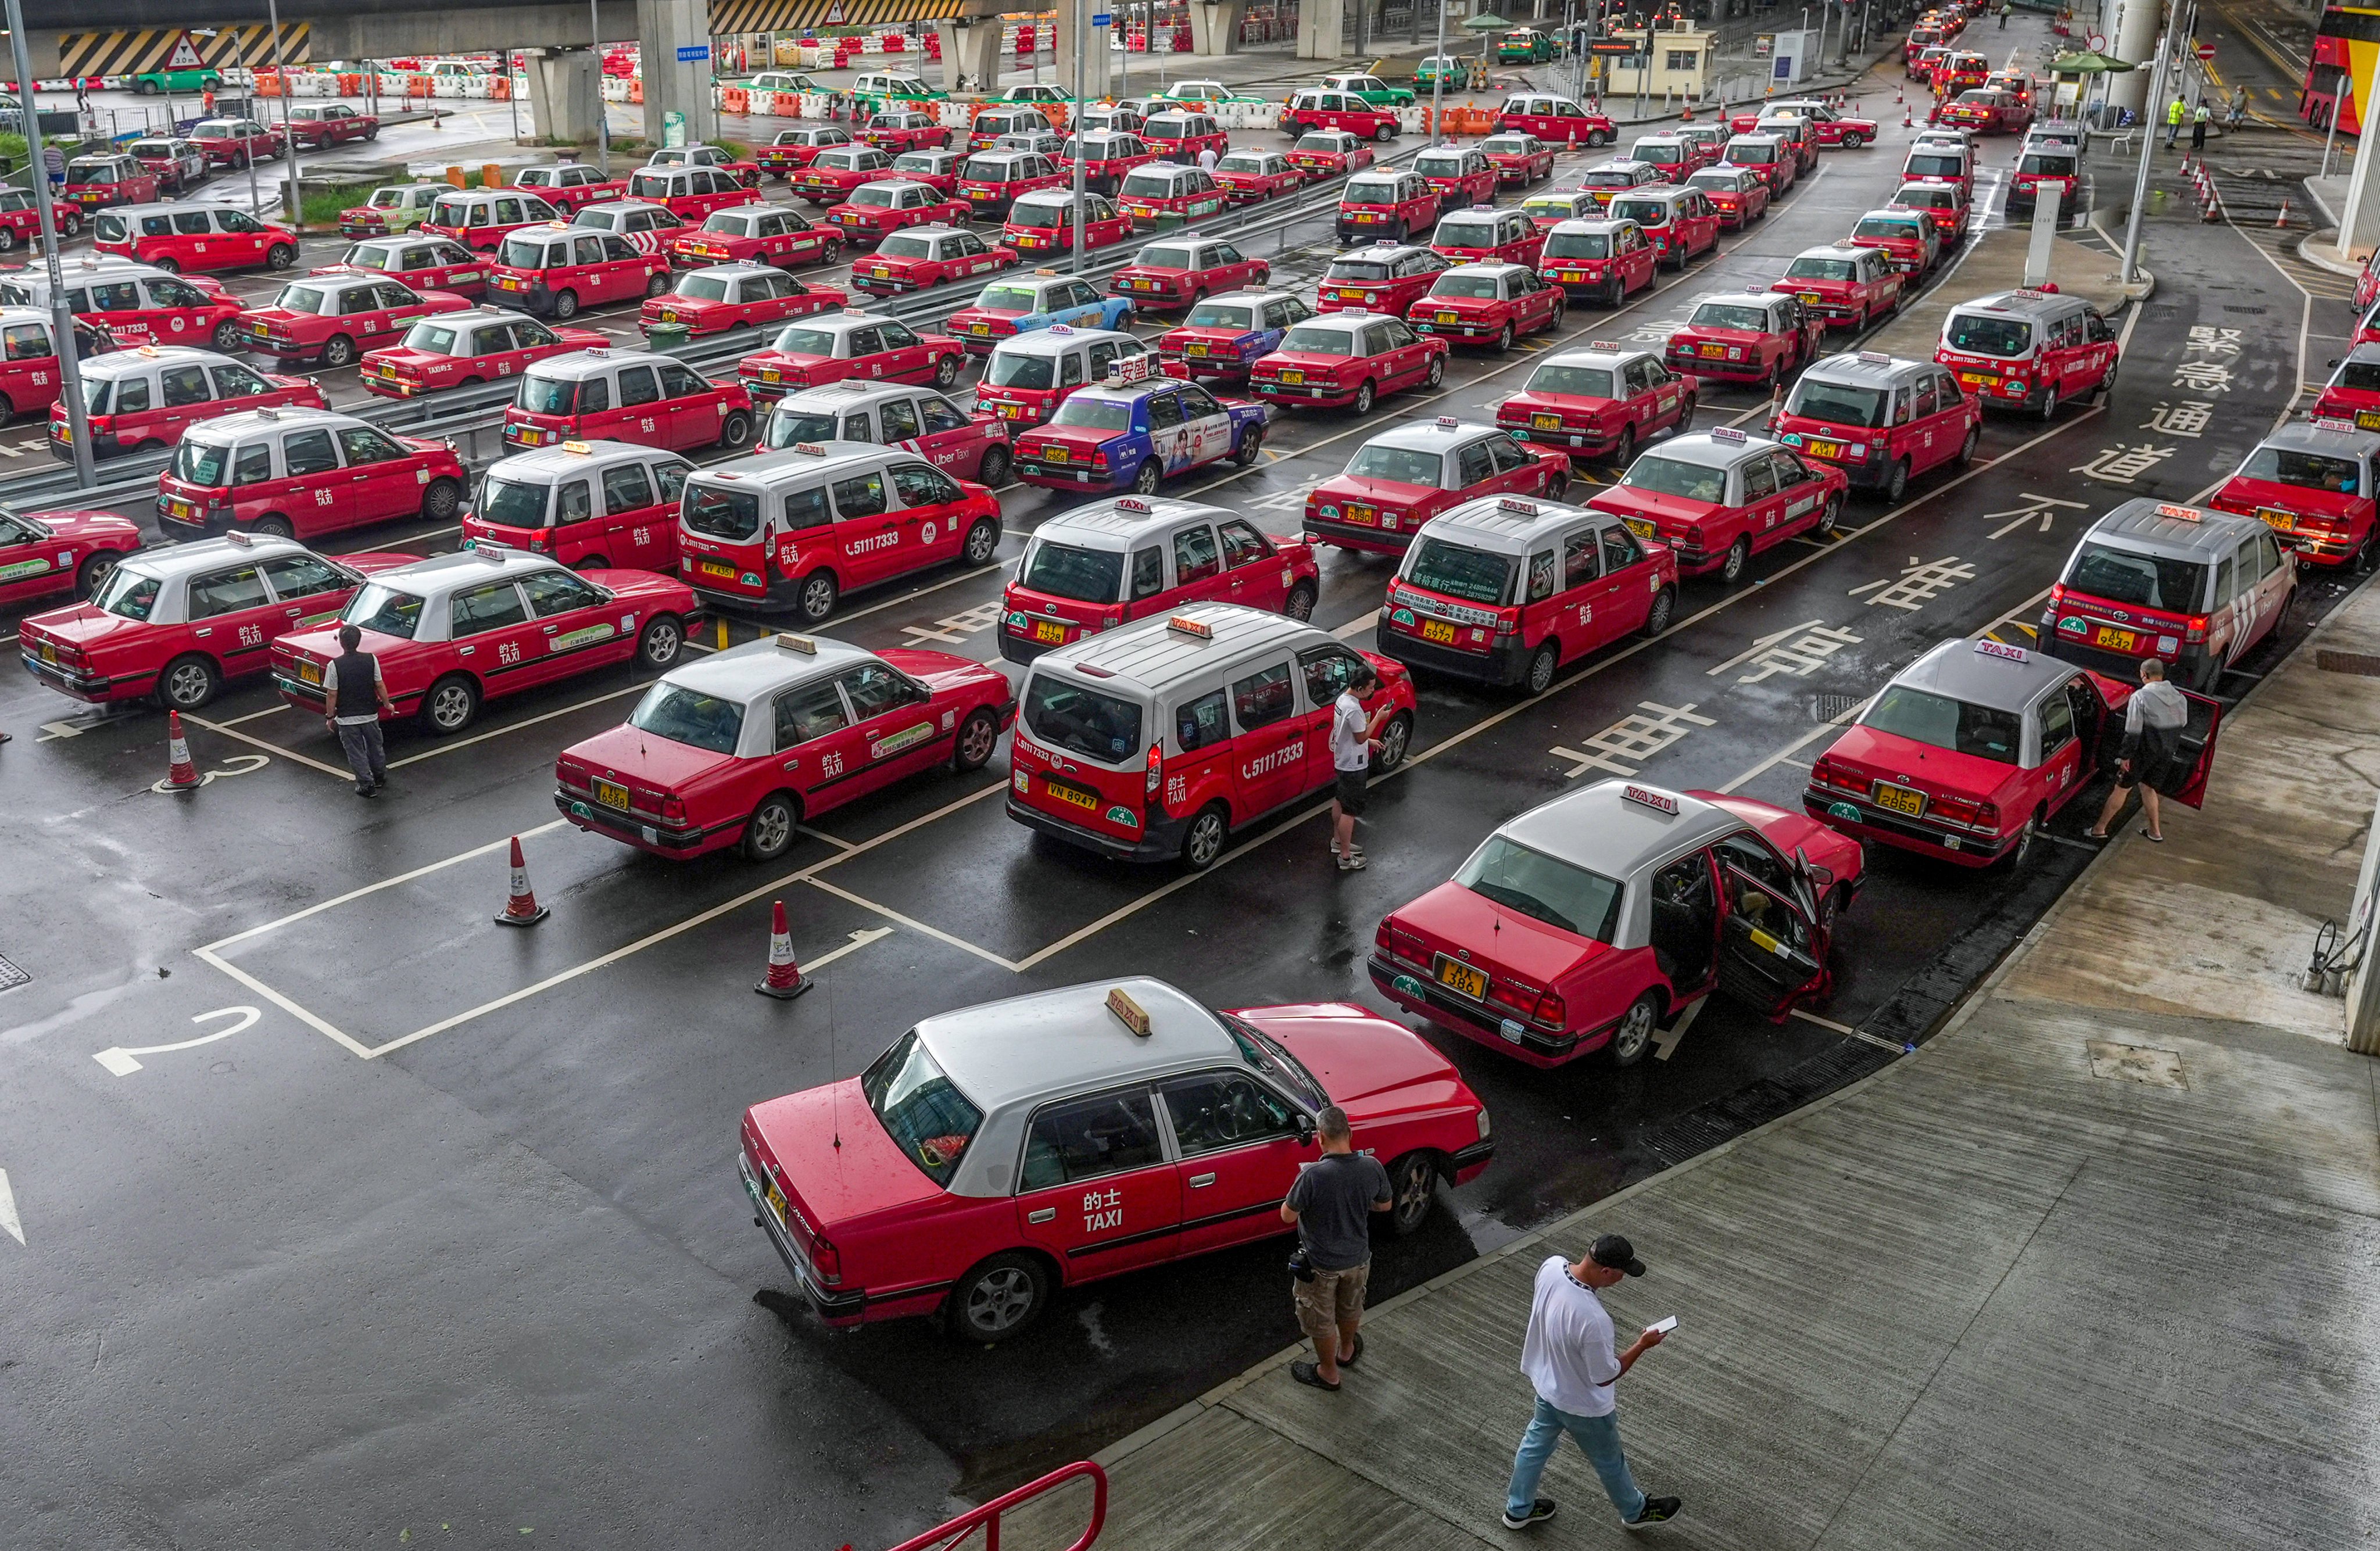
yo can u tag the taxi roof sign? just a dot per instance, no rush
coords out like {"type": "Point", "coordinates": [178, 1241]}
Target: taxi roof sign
{"type": "Point", "coordinates": [236, 537]}
{"type": "Point", "coordinates": [2005, 653]}
{"type": "Point", "coordinates": [809, 449]}
{"type": "Point", "coordinates": [1522, 508]}
{"type": "Point", "coordinates": [1447, 422]}
{"type": "Point", "coordinates": [1601, 345]}
{"type": "Point", "coordinates": [787, 641]}
{"type": "Point", "coordinates": [1130, 1013]}
{"type": "Point", "coordinates": [1133, 503]}
{"type": "Point", "coordinates": [1875, 358]}
{"type": "Point", "coordinates": [1652, 797]}
{"type": "Point", "coordinates": [2332, 422]}
{"type": "Point", "coordinates": [1197, 629]}
{"type": "Point", "coordinates": [1726, 433]}
{"type": "Point", "coordinates": [1128, 368]}
{"type": "Point", "coordinates": [1062, 329]}
{"type": "Point", "coordinates": [2181, 513]}
{"type": "Point", "coordinates": [581, 447]}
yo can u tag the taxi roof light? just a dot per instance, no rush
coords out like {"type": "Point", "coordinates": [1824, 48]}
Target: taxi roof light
{"type": "Point", "coordinates": [1875, 358]}
{"type": "Point", "coordinates": [809, 449]}
{"type": "Point", "coordinates": [1133, 503]}
{"type": "Point", "coordinates": [2182, 513]}
{"type": "Point", "coordinates": [1198, 629]}
{"type": "Point", "coordinates": [2001, 651]}
{"type": "Point", "coordinates": [242, 540]}
{"type": "Point", "coordinates": [1130, 1013]}
{"type": "Point", "coordinates": [581, 447]}
{"type": "Point", "coordinates": [2332, 422]}
{"type": "Point", "coordinates": [1601, 345]}
{"type": "Point", "coordinates": [1652, 797]}
{"type": "Point", "coordinates": [1727, 433]}
{"type": "Point", "coordinates": [1517, 507]}
{"type": "Point", "coordinates": [1447, 422]}
{"type": "Point", "coordinates": [787, 641]}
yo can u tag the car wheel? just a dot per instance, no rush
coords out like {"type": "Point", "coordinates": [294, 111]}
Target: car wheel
{"type": "Point", "coordinates": [451, 705]}
{"type": "Point", "coordinates": [2048, 410]}
{"type": "Point", "coordinates": [1203, 841]}
{"type": "Point", "coordinates": [1385, 133]}
{"type": "Point", "coordinates": [1504, 339]}
{"type": "Point", "coordinates": [441, 499]}
{"type": "Point", "coordinates": [1413, 1182]}
{"type": "Point", "coordinates": [735, 431]}
{"type": "Point", "coordinates": [1596, 137]}
{"type": "Point", "coordinates": [92, 575]}
{"type": "Point", "coordinates": [1634, 1034]}
{"type": "Point", "coordinates": [277, 525]}
{"type": "Point", "coordinates": [2024, 839]}
{"type": "Point", "coordinates": [339, 351]}
{"type": "Point", "coordinates": [1146, 481]}
{"type": "Point", "coordinates": [71, 222]}
{"type": "Point", "coordinates": [2367, 554]}
{"type": "Point", "coordinates": [1739, 555]}
{"type": "Point", "coordinates": [817, 596]}
{"type": "Point", "coordinates": [1664, 608]}
{"type": "Point", "coordinates": [591, 563]}
{"type": "Point", "coordinates": [1251, 444]}
{"type": "Point", "coordinates": [371, 132]}
{"type": "Point", "coordinates": [1854, 141]}
{"type": "Point", "coordinates": [280, 256]}
{"type": "Point", "coordinates": [1299, 603]}
{"type": "Point", "coordinates": [982, 540]}
{"type": "Point", "coordinates": [1554, 319]}
{"type": "Point", "coordinates": [1897, 486]}
{"type": "Point", "coordinates": [993, 471]}
{"type": "Point", "coordinates": [1623, 452]}
{"type": "Point", "coordinates": [1396, 742]}
{"type": "Point", "coordinates": [946, 371]}
{"type": "Point", "coordinates": [1557, 485]}
{"type": "Point", "coordinates": [227, 337]}
{"type": "Point", "coordinates": [565, 306]}
{"type": "Point", "coordinates": [188, 682]}
{"type": "Point", "coordinates": [171, 266]}
{"type": "Point", "coordinates": [1829, 515]}
{"type": "Point", "coordinates": [1541, 667]}
{"type": "Point", "coordinates": [1967, 448]}
{"type": "Point", "coordinates": [7, 240]}
{"type": "Point", "coordinates": [663, 640]}
{"type": "Point", "coordinates": [998, 1299]}
{"type": "Point", "coordinates": [770, 831]}
{"type": "Point", "coordinates": [979, 735]}
{"type": "Point", "coordinates": [146, 88]}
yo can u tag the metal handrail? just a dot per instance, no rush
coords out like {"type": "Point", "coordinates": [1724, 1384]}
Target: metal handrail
{"type": "Point", "coordinates": [461, 412]}
{"type": "Point", "coordinates": [946, 1537]}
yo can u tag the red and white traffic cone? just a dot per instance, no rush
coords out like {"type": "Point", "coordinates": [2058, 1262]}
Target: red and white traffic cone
{"type": "Point", "coordinates": [2281, 221]}
{"type": "Point", "coordinates": [1906, 122]}
{"type": "Point", "coordinates": [783, 980]}
{"type": "Point", "coordinates": [521, 908]}
{"type": "Point", "coordinates": [181, 775]}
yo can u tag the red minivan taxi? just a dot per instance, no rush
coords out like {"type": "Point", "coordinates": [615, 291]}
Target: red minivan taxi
{"type": "Point", "coordinates": [626, 395]}
{"type": "Point", "coordinates": [589, 504]}
{"type": "Point", "coordinates": [2030, 350]}
{"type": "Point", "coordinates": [139, 400]}
{"type": "Point", "coordinates": [192, 236]}
{"type": "Point", "coordinates": [2194, 589]}
{"type": "Point", "coordinates": [298, 473]}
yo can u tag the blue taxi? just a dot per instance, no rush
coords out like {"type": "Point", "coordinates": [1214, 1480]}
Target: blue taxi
{"type": "Point", "coordinates": [1224, 335]}
{"type": "Point", "coordinates": [1020, 304]}
{"type": "Point", "coordinates": [1136, 429]}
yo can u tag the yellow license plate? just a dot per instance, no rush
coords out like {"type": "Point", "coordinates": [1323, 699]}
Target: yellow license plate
{"type": "Point", "coordinates": [1049, 630]}
{"type": "Point", "coordinates": [1366, 215]}
{"type": "Point", "coordinates": [1009, 411]}
{"type": "Point", "coordinates": [1574, 275]}
{"type": "Point", "coordinates": [769, 376]}
{"type": "Point", "coordinates": [712, 568]}
{"type": "Point", "coordinates": [1978, 379]}
{"type": "Point", "coordinates": [311, 673]}
{"type": "Point", "coordinates": [979, 328]}
{"type": "Point", "coordinates": [1293, 377]}
{"type": "Point", "coordinates": [1825, 449]}
{"type": "Point", "coordinates": [1450, 318]}
{"type": "Point", "coordinates": [610, 795]}
{"type": "Point", "coordinates": [2115, 640]}
{"type": "Point", "coordinates": [49, 652]}
{"type": "Point", "coordinates": [1811, 296]}
{"type": "Point", "coordinates": [1363, 514]}
{"type": "Point", "coordinates": [1714, 352]}
{"type": "Point", "coordinates": [1899, 799]}
{"type": "Point", "coordinates": [777, 1203]}
{"type": "Point", "coordinates": [1437, 630]}
{"type": "Point", "coordinates": [2285, 521]}
{"type": "Point", "coordinates": [1193, 350]}
{"type": "Point", "coordinates": [1639, 527]}
{"type": "Point", "coordinates": [1545, 422]}
{"type": "Point", "coordinates": [1470, 981]}
{"type": "Point", "coordinates": [389, 373]}
{"type": "Point", "coordinates": [1067, 795]}
{"type": "Point", "coordinates": [259, 330]}
{"type": "Point", "coordinates": [182, 508]}
{"type": "Point", "coordinates": [505, 281]}
{"type": "Point", "coordinates": [668, 316]}
{"type": "Point", "coordinates": [2368, 419]}
{"type": "Point", "coordinates": [881, 272]}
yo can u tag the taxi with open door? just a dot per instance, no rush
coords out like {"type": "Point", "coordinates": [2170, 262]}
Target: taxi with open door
{"type": "Point", "coordinates": [1180, 271]}
{"type": "Point", "coordinates": [1052, 1139]}
{"type": "Point", "coordinates": [1153, 742]}
{"type": "Point", "coordinates": [760, 234]}
{"type": "Point", "coordinates": [1322, 154]}
{"type": "Point", "coordinates": [916, 420]}
{"type": "Point", "coordinates": [927, 256]}
{"type": "Point", "coordinates": [1387, 277]}
{"type": "Point", "coordinates": [1223, 336]}
{"type": "Point", "coordinates": [187, 236]}
{"type": "Point", "coordinates": [1598, 260]}
{"type": "Point", "coordinates": [332, 318]}
{"type": "Point", "coordinates": [456, 631]}
{"type": "Point", "coordinates": [1504, 590]}
{"type": "Point", "coordinates": [1251, 176]}
{"type": "Point", "coordinates": [789, 151]}
{"type": "Point", "coordinates": [1757, 336]}
{"type": "Point", "coordinates": [567, 185]}
{"type": "Point", "coordinates": [1028, 375]}
{"type": "Point", "coordinates": [801, 528]}
{"type": "Point", "coordinates": [141, 399]}
{"type": "Point", "coordinates": [1347, 359]}
{"type": "Point", "coordinates": [481, 218]}
{"type": "Point", "coordinates": [1717, 498]}
{"type": "Point", "coordinates": [2194, 588]}
{"type": "Point", "coordinates": [589, 504]}
{"type": "Point", "coordinates": [1484, 234]}
{"type": "Point", "coordinates": [1971, 750]}
{"type": "Point", "coordinates": [1101, 566]}
{"type": "Point", "coordinates": [1385, 204]}
{"type": "Point", "coordinates": [2030, 350]}
{"type": "Point", "coordinates": [175, 624]}
{"type": "Point", "coordinates": [2312, 484]}
{"type": "Point", "coordinates": [1400, 479]}
{"type": "Point", "coordinates": [726, 297]}
{"type": "Point", "coordinates": [1489, 304]}
{"type": "Point", "coordinates": [1681, 222]}
{"type": "Point", "coordinates": [1740, 194]}
{"type": "Point", "coordinates": [301, 472]}
{"type": "Point", "coordinates": [1593, 921]}
{"type": "Point", "coordinates": [744, 747]}
{"type": "Point", "coordinates": [420, 263]}
{"type": "Point", "coordinates": [1023, 303]}
{"type": "Point", "coordinates": [1555, 120]}
{"type": "Point", "coordinates": [46, 552]}
{"type": "Point", "coordinates": [1605, 398]}
{"type": "Point", "coordinates": [459, 349]}
{"type": "Point", "coordinates": [626, 396]}
{"type": "Point", "coordinates": [1881, 419]}
{"type": "Point", "coordinates": [1846, 283]}
{"type": "Point", "coordinates": [1133, 434]}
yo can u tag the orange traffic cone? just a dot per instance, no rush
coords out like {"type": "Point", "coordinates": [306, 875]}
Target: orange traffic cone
{"type": "Point", "coordinates": [1686, 114]}
{"type": "Point", "coordinates": [1905, 121]}
{"type": "Point", "coordinates": [783, 980]}
{"type": "Point", "coordinates": [181, 774]}
{"type": "Point", "coordinates": [2281, 221]}
{"type": "Point", "coordinates": [521, 908]}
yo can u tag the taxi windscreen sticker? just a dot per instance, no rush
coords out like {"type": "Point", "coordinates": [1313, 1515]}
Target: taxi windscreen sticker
{"type": "Point", "coordinates": [909, 737]}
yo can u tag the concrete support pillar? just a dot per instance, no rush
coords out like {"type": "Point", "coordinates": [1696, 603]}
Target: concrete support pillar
{"type": "Point", "coordinates": [1321, 30]}
{"type": "Point", "coordinates": [971, 51]}
{"type": "Point", "coordinates": [1096, 65]}
{"type": "Point", "coordinates": [2135, 39]}
{"type": "Point", "coordinates": [566, 93]}
{"type": "Point", "coordinates": [1215, 26]}
{"type": "Point", "coordinates": [662, 26]}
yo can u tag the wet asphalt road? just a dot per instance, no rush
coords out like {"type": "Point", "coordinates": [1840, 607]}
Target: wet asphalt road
{"type": "Point", "coordinates": [498, 1275]}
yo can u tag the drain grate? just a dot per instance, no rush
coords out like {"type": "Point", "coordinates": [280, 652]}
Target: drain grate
{"type": "Point", "coordinates": [2360, 663]}
{"type": "Point", "coordinates": [2251, 311]}
{"type": "Point", "coordinates": [1756, 1104]}
{"type": "Point", "coordinates": [1825, 708]}
{"type": "Point", "coordinates": [11, 976]}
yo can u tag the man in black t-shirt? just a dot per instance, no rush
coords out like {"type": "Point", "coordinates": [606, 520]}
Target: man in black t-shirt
{"type": "Point", "coordinates": [1331, 1202]}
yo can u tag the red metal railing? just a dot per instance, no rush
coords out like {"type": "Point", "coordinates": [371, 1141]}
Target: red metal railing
{"type": "Point", "coordinates": [948, 1537]}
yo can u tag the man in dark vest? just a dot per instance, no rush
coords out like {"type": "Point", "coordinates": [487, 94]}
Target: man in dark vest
{"type": "Point", "coordinates": [354, 680]}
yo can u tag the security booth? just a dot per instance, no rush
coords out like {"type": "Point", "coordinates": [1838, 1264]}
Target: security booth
{"type": "Point", "coordinates": [1662, 62]}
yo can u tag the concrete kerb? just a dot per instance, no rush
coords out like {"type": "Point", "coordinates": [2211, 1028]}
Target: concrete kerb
{"type": "Point", "coordinates": [2321, 249]}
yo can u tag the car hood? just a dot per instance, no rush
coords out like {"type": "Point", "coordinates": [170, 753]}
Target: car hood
{"type": "Point", "coordinates": [942, 671]}
{"type": "Point", "coordinates": [837, 1157]}
{"type": "Point", "coordinates": [1357, 1055]}
{"type": "Point", "coordinates": [91, 525]}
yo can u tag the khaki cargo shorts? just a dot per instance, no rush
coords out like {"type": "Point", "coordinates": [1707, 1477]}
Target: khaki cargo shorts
{"type": "Point", "coordinates": [1331, 1297]}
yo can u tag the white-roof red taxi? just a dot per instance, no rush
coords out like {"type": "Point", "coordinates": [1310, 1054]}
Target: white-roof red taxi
{"type": "Point", "coordinates": [1589, 922]}
{"type": "Point", "coordinates": [145, 398]}
{"type": "Point", "coordinates": [333, 318]}
{"type": "Point", "coordinates": [1028, 375]}
{"type": "Point", "coordinates": [1492, 303]}
{"type": "Point", "coordinates": [923, 256]}
{"type": "Point", "coordinates": [1880, 420]}
{"type": "Point", "coordinates": [1753, 336]}
{"type": "Point", "coordinates": [917, 420]}
{"type": "Point", "coordinates": [884, 205]}
{"type": "Point", "coordinates": [1387, 277]}
{"type": "Point", "coordinates": [192, 236]}
{"type": "Point", "coordinates": [1607, 398]}
{"type": "Point", "coordinates": [762, 234]}
{"type": "Point", "coordinates": [1848, 284]}
{"type": "Point", "coordinates": [1718, 498]}
{"type": "Point", "coordinates": [457, 350]}
{"type": "Point", "coordinates": [1598, 260]}
{"type": "Point", "coordinates": [1180, 271]}
{"type": "Point", "coordinates": [840, 346]}
{"type": "Point", "coordinates": [423, 263]}
{"type": "Point", "coordinates": [555, 271]}
{"type": "Point", "coordinates": [724, 297]}
{"type": "Point", "coordinates": [2313, 484]}
{"type": "Point", "coordinates": [996, 1154]}
{"type": "Point", "coordinates": [626, 396]}
{"type": "Point", "coordinates": [1347, 359]}
{"type": "Point", "coordinates": [1403, 478]}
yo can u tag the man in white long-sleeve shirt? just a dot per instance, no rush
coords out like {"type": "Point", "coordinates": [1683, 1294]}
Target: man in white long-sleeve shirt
{"type": "Point", "coordinates": [2152, 722]}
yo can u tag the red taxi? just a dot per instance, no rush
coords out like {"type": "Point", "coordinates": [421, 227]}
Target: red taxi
{"type": "Point", "coordinates": [144, 398]}
{"type": "Point", "coordinates": [567, 186]}
{"type": "Point", "coordinates": [1124, 746]}
{"type": "Point", "coordinates": [1329, 154]}
{"type": "Point", "coordinates": [1766, 157]}
{"type": "Point", "coordinates": [1680, 221]}
{"type": "Point", "coordinates": [2046, 168]}
{"type": "Point", "coordinates": [709, 157]}
{"type": "Point", "coordinates": [333, 317]}
{"type": "Point", "coordinates": [133, 303]}
{"type": "Point", "coordinates": [626, 396]}
{"type": "Point", "coordinates": [1182, 270]}
{"type": "Point", "coordinates": [1385, 204]}
{"type": "Point", "coordinates": [1846, 283]}
{"type": "Point", "coordinates": [2313, 485]}
{"type": "Point", "coordinates": [29, 357]}
{"type": "Point", "coordinates": [555, 271]}
{"type": "Point", "coordinates": [741, 748]}
{"type": "Point", "coordinates": [1987, 112]}
{"type": "Point", "coordinates": [481, 218]}
{"type": "Point", "coordinates": [94, 182]}
{"type": "Point", "coordinates": [422, 263]}
{"type": "Point", "coordinates": [1386, 277]}
{"type": "Point", "coordinates": [916, 421]}
{"type": "Point", "coordinates": [925, 256]}
{"type": "Point", "coordinates": [1760, 337]}
{"type": "Point", "coordinates": [1598, 260]}
{"type": "Point", "coordinates": [803, 527]}
{"type": "Point", "coordinates": [726, 297]}
{"type": "Point", "coordinates": [1611, 179]}
{"type": "Point", "coordinates": [1100, 1192]}
{"type": "Point", "coordinates": [1347, 359]}
{"type": "Point", "coordinates": [1592, 922]}
{"type": "Point", "coordinates": [1488, 304]}
{"type": "Point", "coordinates": [836, 348]}
{"type": "Point", "coordinates": [175, 624]}
{"type": "Point", "coordinates": [1180, 134]}
{"type": "Point", "coordinates": [904, 131]}
{"type": "Point", "coordinates": [301, 472]}
{"type": "Point", "coordinates": [789, 151]}
{"type": "Point", "coordinates": [192, 236]}
{"type": "Point", "coordinates": [589, 504]}
{"type": "Point", "coordinates": [1400, 479]}
{"type": "Point", "coordinates": [1673, 156]}
{"type": "Point", "coordinates": [1224, 335]}
{"type": "Point", "coordinates": [692, 193]}
{"type": "Point", "coordinates": [176, 163]}
{"type": "Point", "coordinates": [1605, 398]}
{"type": "Point", "coordinates": [938, 170]}
{"type": "Point", "coordinates": [1949, 159]}
{"type": "Point", "coordinates": [1108, 157]}
{"type": "Point", "coordinates": [1045, 223]}
{"type": "Point", "coordinates": [2353, 392]}
{"type": "Point", "coordinates": [1343, 112]}
{"type": "Point", "coordinates": [1071, 582]}
{"type": "Point", "coordinates": [1798, 136]}
{"type": "Point", "coordinates": [1251, 176]}
{"type": "Point", "coordinates": [1486, 234]}
{"type": "Point", "coordinates": [995, 119]}
{"type": "Point", "coordinates": [316, 125]}
{"type": "Point", "coordinates": [235, 142]}
{"type": "Point", "coordinates": [1964, 71]}
{"type": "Point", "coordinates": [1719, 498]}
{"type": "Point", "coordinates": [1740, 194]}
{"type": "Point", "coordinates": [1519, 159]}
{"type": "Point", "coordinates": [762, 233]}
{"type": "Point", "coordinates": [20, 219]}
{"type": "Point", "coordinates": [1462, 175]}
{"type": "Point", "coordinates": [1882, 420]}
{"type": "Point", "coordinates": [1945, 202]}
{"type": "Point", "coordinates": [1503, 591]}
{"type": "Point", "coordinates": [832, 176]}
{"type": "Point", "coordinates": [460, 350]}
{"type": "Point", "coordinates": [1833, 127]}
{"type": "Point", "coordinates": [1027, 376]}
{"type": "Point", "coordinates": [991, 179]}
{"type": "Point", "coordinates": [2033, 350]}
{"type": "Point", "coordinates": [46, 552]}
{"type": "Point", "coordinates": [1170, 194]}
{"type": "Point", "coordinates": [1907, 235]}
{"type": "Point", "coordinates": [1550, 210]}
{"type": "Point", "coordinates": [458, 630]}
{"type": "Point", "coordinates": [1555, 120]}
{"type": "Point", "coordinates": [1971, 750]}
{"type": "Point", "coordinates": [876, 209]}
{"type": "Point", "coordinates": [2196, 589]}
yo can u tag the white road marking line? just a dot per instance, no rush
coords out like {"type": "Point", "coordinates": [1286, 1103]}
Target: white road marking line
{"type": "Point", "coordinates": [353, 894]}
{"type": "Point", "coordinates": [269, 710]}
{"type": "Point", "coordinates": [119, 1060]}
{"type": "Point", "coordinates": [836, 840]}
{"type": "Point", "coordinates": [8, 1220]}
{"type": "Point", "coordinates": [1665, 1043]}
{"type": "Point", "coordinates": [227, 729]}
{"type": "Point", "coordinates": [449, 747]}
{"type": "Point", "coordinates": [915, 926]}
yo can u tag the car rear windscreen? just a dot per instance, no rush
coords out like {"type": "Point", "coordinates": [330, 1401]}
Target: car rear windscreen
{"type": "Point", "coordinates": [2145, 581]}
{"type": "Point", "coordinates": [1064, 714]}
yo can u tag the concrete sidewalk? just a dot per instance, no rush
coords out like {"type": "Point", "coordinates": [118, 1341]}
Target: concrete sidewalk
{"type": "Point", "coordinates": [2093, 1268]}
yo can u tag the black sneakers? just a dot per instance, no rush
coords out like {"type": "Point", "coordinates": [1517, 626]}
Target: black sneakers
{"type": "Point", "coordinates": [1657, 1510]}
{"type": "Point", "coordinates": [1539, 1511]}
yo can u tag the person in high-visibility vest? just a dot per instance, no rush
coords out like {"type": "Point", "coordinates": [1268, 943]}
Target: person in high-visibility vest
{"type": "Point", "coordinates": [2198, 127]}
{"type": "Point", "coordinates": [2173, 118]}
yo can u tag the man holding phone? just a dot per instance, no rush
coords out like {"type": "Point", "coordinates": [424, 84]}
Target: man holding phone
{"type": "Point", "coordinates": [1569, 1358]}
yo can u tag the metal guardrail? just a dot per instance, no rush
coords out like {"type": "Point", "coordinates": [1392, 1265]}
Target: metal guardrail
{"type": "Point", "coordinates": [947, 1537]}
{"type": "Point", "coordinates": [464, 414]}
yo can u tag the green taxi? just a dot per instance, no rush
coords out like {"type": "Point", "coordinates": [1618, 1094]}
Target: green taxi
{"type": "Point", "coordinates": [1371, 89]}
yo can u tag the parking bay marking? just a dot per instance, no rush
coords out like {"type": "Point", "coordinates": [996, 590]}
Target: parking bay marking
{"type": "Point", "coordinates": [119, 1060]}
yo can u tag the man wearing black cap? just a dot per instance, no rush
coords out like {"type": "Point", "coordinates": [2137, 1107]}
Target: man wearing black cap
{"type": "Point", "coordinates": [1567, 1358]}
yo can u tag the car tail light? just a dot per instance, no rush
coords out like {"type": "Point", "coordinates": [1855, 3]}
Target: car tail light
{"type": "Point", "coordinates": [672, 809]}
{"type": "Point", "coordinates": [1507, 621]}
{"type": "Point", "coordinates": [2194, 627]}
{"type": "Point", "coordinates": [2057, 594]}
{"type": "Point", "coordinates": [826, 1260]}
{"type": "Point", "coordinates": [1156, 775]}
{"type": "Point", "coordinates": [1826, 772]}
{"type": "Point", "coordinates": [1551, 1013]}
{"type": "Point", "coordinates": [1519, 998]}
{"type": "Point", "coordinates": [537, 539]}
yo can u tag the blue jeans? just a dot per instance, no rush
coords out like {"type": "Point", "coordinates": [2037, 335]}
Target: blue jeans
{"type": "Point", "coordinates": [1599, 1439]}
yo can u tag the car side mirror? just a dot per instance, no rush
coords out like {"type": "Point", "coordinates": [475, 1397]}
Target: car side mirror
{"type": "Point", "coordinates": [2331, 364]}
{"type": "Point", "coordinates": [1307, 1130]}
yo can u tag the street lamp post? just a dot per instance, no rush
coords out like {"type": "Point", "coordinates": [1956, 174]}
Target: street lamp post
{"type": "Point", "coordinates": [62, 330]}
{"type": "Point", "coordinates": [1436, 80]}
{"type": "Point", "coordinates": [1082, 149]}
{"type": "Point", "coordinates": [603, 115]}
{"type": "Point", "coordinates": [293, 206]}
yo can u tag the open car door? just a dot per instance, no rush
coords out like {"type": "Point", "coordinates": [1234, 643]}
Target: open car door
{"type": "Point", "coordinates": [2186, 782]}
{"type": "Point", "coordinates": [1769, 954]}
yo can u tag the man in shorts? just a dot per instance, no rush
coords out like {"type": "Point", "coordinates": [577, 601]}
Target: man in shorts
{"type": "Point", "coordinates": [2151, 752]}
{"type": "Point", "coordinates": [1353, 735]}
{"type": "Point", "coordinates": [1330, 1205]}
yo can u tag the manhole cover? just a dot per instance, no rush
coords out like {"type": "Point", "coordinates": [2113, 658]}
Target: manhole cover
{"type": "Point", "coordinates": [11, 976]}
{"type": "Point", "coordinates": [2348, 662]}
{"type": "Point", "coordinates": [2136, 1063]}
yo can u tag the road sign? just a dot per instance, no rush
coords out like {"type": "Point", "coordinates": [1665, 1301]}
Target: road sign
{"type": "Point", "coordinates": [688, 52]}
{"type": "Point", "coordinates": [2098, 43]}
{"type": "Point", "coordinates": [2206, 51]}
{"type": "Point", "coordinates": [1102, 19]}
{"type": "Point", "coordinates": [186, 56]}
{"type": "Point", "coordinates": [1612, 46]}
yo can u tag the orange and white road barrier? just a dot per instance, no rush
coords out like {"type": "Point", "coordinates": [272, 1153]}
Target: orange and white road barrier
{"type": "Point", "coordinates": [181, 774]}
{"type": "Point", "coordinates": [521, 908]}
{"type": "Point", "coordinates": [783, 980]}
